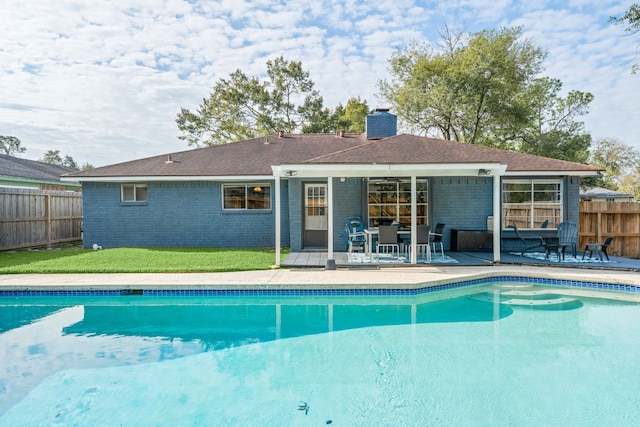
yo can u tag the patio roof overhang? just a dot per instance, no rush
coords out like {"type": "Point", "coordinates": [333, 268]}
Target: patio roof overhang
{"type": "Point", "coordinates": [383, 170]}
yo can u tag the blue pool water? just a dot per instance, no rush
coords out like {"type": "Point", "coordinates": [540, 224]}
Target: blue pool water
{"type": "Point", "coordinates": [507, 354]}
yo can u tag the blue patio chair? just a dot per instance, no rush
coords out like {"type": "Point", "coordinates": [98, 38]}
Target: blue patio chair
{"type": "Point", "coordinates": [568, 235]}
{"type": "Point", "coordinates": [354, 232]}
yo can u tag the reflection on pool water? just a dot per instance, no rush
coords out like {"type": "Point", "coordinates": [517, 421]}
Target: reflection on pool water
{"type": "Point", "coordinates": [480, 355]}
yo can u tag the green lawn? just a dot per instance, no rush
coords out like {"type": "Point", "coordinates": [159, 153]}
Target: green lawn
{"type": "Point", "coordinates": [136, 260]}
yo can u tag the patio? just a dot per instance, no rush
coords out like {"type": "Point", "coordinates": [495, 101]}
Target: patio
{"type": "Point", "coordinates": [318, 259]}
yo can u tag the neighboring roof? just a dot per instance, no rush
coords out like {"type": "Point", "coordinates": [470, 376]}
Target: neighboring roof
{"type": "Point", "coordinates": [602, 192]}
{"type": "Point", "coordinates": [30, 169]}
{"type": "Point", "coordinates": [256, 156]}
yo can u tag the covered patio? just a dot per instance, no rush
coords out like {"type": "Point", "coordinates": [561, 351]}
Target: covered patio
{"type": "Point", "coordinates": [318, 259]}
{"type": "Point", "coordinates": [330, 171]}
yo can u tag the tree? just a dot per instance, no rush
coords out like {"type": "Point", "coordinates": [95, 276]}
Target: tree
{"type": "Point", "coordinates": [11, 145]}
{"type": "Point", "coordinates": [484, 90]}
{"type": "Point", "coordinates": [631, 19]}
{"type": "Point", "coordinates": [466, 90]}
{"type": "Point", "coordinates": [352, 117]}
{"type": "Point", "coordinates": [553, 129]}
{"type": "Point", "coordinates": [53, 157]}
{"type": "Point", "coordinates": [243, 107]}
{"type": "Point", "coordinates": [621, 164]}
{"type": "Point", "coordinates": [630, 183]}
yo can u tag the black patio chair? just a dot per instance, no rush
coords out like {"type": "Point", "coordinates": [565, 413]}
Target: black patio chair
{"type": "Point", "coordinates": [599, 248]}
{"type": "Point", "coordinates": [533, 243]}
{"type": "Point", "coordinates": [552, 245]}
{"type": "Point", "coordinates": [436, 237]}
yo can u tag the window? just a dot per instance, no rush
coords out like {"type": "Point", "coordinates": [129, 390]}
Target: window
{"type": "Point", "coordinates": [246, 196]}
{"type": "Point", "coordinates": [134, 192]}
{"type": "Point", "coordinates": [391, 201]}
{"type": "Point", "coordinates": [531, 202]}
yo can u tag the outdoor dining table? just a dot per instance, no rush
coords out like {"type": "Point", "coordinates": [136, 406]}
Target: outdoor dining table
{"type": "Point", "coordinates": [370, 232]}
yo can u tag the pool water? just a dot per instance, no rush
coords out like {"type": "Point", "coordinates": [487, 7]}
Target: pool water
{"type": "Point", "coordinates": [481, 355]}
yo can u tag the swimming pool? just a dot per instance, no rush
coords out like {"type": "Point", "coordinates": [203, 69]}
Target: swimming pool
{"type": "Point", "coordinates": [482, 353]}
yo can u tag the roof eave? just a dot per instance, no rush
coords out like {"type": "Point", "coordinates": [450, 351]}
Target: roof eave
{"type": "Point", "coordinates": [387, 169]}
{"type": "Point", "coordinates": [165, 178]}
{"type": "Point", "coordinates": [552, 173]}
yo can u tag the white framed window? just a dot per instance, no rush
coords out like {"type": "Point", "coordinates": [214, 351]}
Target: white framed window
{"type": "Point", "coordinates": [246, 196]}
{"type": "Point", "coordinates": [390, 201]}
{"type": "Point", "coordinates": [532, 203]}
{"type": "Point", "coordinates": [133, 192]}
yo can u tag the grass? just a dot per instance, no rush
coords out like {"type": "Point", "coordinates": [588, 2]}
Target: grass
{"type": "Point", "coordinates": [135, 260]}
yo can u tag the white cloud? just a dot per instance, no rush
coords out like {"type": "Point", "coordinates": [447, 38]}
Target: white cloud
{"type": "Point", "coordinates": [103, 80]}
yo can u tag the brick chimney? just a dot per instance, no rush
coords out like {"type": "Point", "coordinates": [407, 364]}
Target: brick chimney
{"type": "Point", "coordinates": [381, 124]}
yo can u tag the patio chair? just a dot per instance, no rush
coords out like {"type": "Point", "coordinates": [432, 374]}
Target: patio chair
{"type": "Point", "coordinates": [527, 245]}
{"type": "Point", "coordinates": [568, 235]}
{"type": "Point", "coordinates": [422, 241]}
{"type": "Point", "coordinates": [599, 248]}
{"type": "Point", "coordinates": [388, 239]}
{"type": "Point", "coordinates": [354, 232]}
{"type": "Point", "coordinates": [436, 237]}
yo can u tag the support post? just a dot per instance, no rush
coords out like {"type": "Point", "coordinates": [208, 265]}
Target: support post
{"type": "Point", "coordinates": [414, 221]}
{"type": "Point", "coordinates": [497, 216]}
{"type": "Point", "coordinates": [331, 262]}
{"type": "Point", "coordinates": [278, 214]}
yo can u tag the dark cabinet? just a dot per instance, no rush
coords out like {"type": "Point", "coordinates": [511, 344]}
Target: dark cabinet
{"type": "Point", "coordinates": [471, 240]}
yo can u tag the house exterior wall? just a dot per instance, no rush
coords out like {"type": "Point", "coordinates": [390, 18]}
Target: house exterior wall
{"type": "Point", "coordinates": [460, 202]}
{"type": "Point", "coordinates": [347, 202]}
{"type": "Point", "coordinates": [176, 214]}
{"type": "Point", "coordinates": [190, 213]}
{"type": "Point", "coordinates": [295, 213]}
{"type": "Point", "coordinates": [572, 199]}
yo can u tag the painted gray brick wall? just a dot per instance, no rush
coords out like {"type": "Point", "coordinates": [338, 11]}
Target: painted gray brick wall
{"type": "Point", "coordinates": [295, 213]}
{"type": "Point", "coordinates": [460, 202]}
{"type": "Point", "coordinates": [381, 124]}
{"type": "Point", "coordinates": [175, 214]}
{"type": "Point", "coordinates": [347, 203]}
{"type": "Point", "coordinates": [572, 200]}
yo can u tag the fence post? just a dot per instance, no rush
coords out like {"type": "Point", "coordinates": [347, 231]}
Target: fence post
{"type": "Point", "coordinates": [47, 206]}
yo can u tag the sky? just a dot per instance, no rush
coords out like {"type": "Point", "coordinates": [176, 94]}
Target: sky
{"type": "Point", "coordinates": [102, 81]}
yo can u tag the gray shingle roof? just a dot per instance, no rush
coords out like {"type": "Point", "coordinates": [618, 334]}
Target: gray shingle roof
{"type": "Point", "coordinates": [256, 156]}
{"type": "Point", "coordinates": [31, 169]}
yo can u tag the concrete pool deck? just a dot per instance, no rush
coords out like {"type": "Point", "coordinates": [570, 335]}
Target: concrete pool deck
{"type": "Point", "coordinates": [396, 277]}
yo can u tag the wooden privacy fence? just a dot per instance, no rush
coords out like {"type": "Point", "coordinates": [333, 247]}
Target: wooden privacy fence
{"type": "Point", "coordinates": [30, 218]}
{"type": "Point", "coordinates": [619, 219]}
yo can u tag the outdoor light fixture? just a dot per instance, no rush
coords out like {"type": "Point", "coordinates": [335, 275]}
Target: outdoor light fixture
{"type": "Point", "coordinates": [291, 173]}
{"type": "Point", "coordinates": [484, 172]}
{"type": "Point", "coordinates": [343, 179]}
